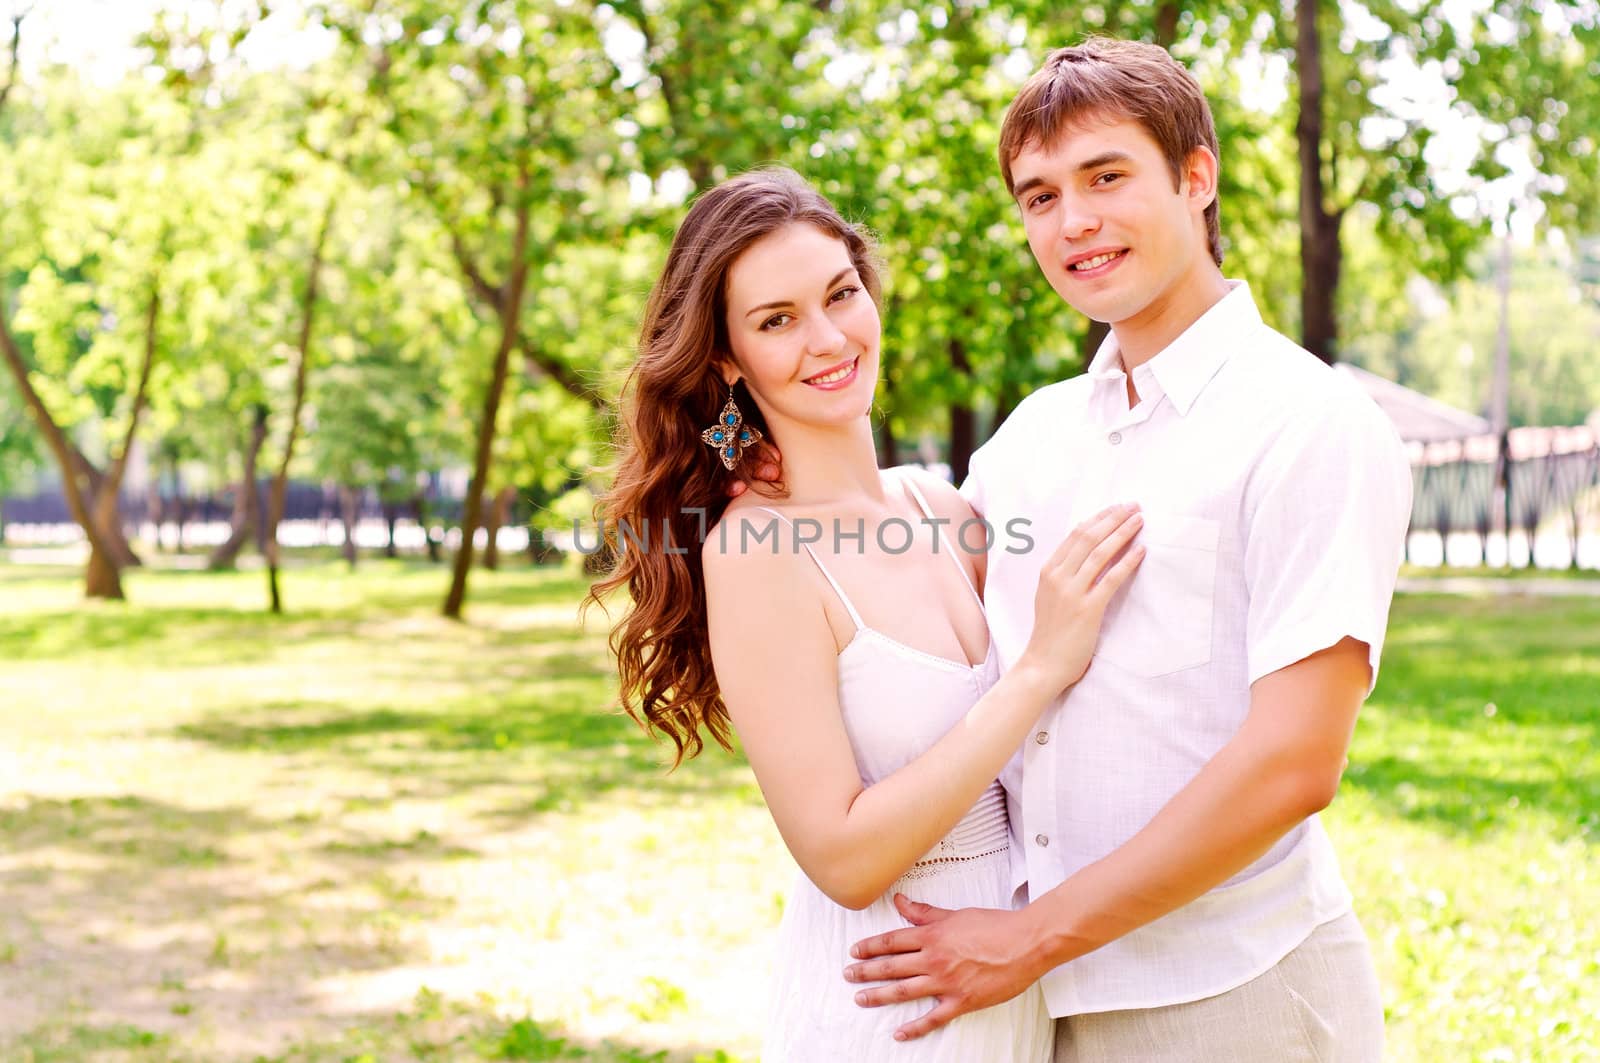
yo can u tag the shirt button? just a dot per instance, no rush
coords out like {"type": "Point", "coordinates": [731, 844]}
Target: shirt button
{"type": "Point", "coordinates": [1115, 437]}
{"type": "Point", "coordinates": [1042, 737]}
{"type": "Point", "coordinates": [1042, 839]}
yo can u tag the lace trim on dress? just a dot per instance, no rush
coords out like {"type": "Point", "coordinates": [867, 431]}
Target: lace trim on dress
{"type": "Point", "coordinates": [941, 864]}
{"type": "Point", "coordinates": [983, 833]}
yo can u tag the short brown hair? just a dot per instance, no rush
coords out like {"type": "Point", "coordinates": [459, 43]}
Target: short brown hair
{"type": "Point", "coordinates": [1103, 77]}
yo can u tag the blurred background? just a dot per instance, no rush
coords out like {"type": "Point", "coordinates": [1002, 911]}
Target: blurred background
{"type": "Point", "coordinates": [313, 315]}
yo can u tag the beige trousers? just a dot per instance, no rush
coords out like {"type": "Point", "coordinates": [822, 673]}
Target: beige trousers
{"type": "Point", "coordinates": [1319, 1004]}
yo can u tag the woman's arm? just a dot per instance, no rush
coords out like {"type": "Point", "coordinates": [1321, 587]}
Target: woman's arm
{"type": "Point", "coordinates": [777, 668]}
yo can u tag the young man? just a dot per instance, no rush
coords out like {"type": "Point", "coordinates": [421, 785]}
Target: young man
{"type": "Point", "coordinates": [1185, 901]}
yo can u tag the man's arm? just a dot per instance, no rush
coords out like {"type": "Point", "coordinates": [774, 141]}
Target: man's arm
{"type": "Point", "coordinates": [1283, 765]}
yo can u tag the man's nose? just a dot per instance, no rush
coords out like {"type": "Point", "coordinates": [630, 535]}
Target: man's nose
{"type": "Point", "coordinates": [1077, 219]}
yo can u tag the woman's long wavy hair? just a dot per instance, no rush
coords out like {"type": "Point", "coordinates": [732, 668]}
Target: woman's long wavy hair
{"type": "Point", "coordinates": [668, 482]}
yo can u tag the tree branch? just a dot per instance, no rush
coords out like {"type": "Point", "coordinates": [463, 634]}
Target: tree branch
{"type": "Point", "coordinates": [489, 293]}
{"type": "Point", "coordinates": [540, 361]}
{"type": "Point", "coordinates": [16, 49]}
{"type": "Point", "coordinates": [152, 318]}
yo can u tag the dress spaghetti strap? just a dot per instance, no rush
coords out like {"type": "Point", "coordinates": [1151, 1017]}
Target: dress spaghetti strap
{"type": "Point", "coordinates": [927, 511]}
{"type": "Point", "coordinates": [844, 598]}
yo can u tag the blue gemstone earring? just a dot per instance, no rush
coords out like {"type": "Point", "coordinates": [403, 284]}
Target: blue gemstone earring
{"type": "Point", "coordinates": [730, 435]}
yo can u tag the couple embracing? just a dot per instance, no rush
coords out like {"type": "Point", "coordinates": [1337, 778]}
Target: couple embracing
{"type": "Point", "coordinates": [1053, 795]}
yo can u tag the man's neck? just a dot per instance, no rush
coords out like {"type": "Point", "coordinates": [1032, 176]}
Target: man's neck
{"type": "Point", "coordinates": [1149, 332]}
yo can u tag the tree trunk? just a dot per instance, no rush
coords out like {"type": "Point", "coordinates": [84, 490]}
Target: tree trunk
{"type": "Point", "coordinates": [1092, 339]}
{"type": "Point", "coordinates": [391, 514]}
{"type": "Point", "coordinates": [491, 533]}
{"type": "Point", "coordinates": [510, 315]}
{"type": "Point", "coordinates": [1167, 24]}
{"type": "Point", "coordinates": [1320, 253]}
{"type": "Point", "coordinates": [156, 514]}
{"type": "Point", "coordinates": [888, 446]}
{"type": "Point", "coordinates": [246, 500]}
{"type": "Point", "coordinates": [259, 490]}
{"type": "Point", "coordinates": [107, 504]}
{"type": "Point", "coordinates": [499, 515]}
{"type": "Point", "coordinates": [101, 578]}
{"type": "Point", "coordinates": [108, 511]}
{"type": "Point", "coordinates": [280, 483]}
{"type": "Point", "coordinates": [963, 425]}
{"type": "Point", "coordinates": [349, 516]}
{"type": "Point", "coordinates": [420, 502]}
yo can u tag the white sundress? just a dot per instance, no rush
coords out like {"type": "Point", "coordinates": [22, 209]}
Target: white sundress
{"type": "Point", "coordinates": [897, 701]}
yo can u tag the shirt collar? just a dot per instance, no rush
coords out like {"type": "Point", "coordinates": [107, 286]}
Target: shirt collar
{"type": "Point", "coordinates": [1188, 363]}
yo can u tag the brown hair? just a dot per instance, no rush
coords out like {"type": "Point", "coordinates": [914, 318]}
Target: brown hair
{"type": "Point", "coordinates": [1110, 78]}
{"type": "Point", "coordinates": [666, 478]}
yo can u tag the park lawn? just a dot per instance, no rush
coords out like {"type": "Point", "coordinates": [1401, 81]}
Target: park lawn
{"type": "Point", "coordinates": [363, 832]}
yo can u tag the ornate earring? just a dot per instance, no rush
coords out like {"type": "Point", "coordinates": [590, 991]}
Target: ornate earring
{"type": "Point", "coordinates": [730, 435]}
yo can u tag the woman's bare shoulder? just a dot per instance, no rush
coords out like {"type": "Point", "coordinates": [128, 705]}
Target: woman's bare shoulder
{"type": "Point", "coordinates": [940, 493]}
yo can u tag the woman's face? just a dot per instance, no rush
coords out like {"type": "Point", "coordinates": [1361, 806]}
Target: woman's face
{"type": "Point", "coordinates": [803, 329]}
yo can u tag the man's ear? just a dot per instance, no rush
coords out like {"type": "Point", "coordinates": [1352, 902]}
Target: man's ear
{"type": "Point", "coordinates": [1200, 172]}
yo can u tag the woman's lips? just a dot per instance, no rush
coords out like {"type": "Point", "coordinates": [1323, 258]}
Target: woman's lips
{"type": "Point", "coordinates": [835, 378]}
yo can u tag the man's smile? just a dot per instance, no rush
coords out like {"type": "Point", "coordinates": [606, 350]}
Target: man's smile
{"type": "Point", "coordinates": [1095, 263]}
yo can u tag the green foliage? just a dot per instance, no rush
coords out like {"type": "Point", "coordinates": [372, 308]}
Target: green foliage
{"type": "Point", "coordinates": [21, 453]}
{"type": "Point", "coordinates": [433, 129]}
{"type": "Point", "coordinates": [1443, 343]}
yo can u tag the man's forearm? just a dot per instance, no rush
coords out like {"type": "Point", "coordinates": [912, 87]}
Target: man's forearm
{"type": "Point", "coordinates": [1283, 765]}
{"type": "Point", "coordinates": [1247, 798]}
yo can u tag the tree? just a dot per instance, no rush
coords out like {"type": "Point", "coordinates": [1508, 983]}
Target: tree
{"type": "Point", "coordinates": [470, 100]}
{"type": "Point", "coordinates": [108, 228]}
{"type": "Point", "coordinates": [1447, 345]}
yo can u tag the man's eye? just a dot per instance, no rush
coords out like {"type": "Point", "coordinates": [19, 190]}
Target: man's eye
{"type": "Point", "coordinates": [775, 321]}
{"type": "Point", "coordinates": [1040, 200]}
{"type": "Point", "coordinates": [1107, 178]}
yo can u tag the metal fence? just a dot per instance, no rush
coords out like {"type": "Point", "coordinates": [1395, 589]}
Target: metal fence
{"type": "Point", "coordinates": [1541, 483]}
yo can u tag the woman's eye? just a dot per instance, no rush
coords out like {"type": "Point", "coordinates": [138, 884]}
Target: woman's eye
{"type": "Point", "coordinates": [775, 321]}
{"type": "Point", "coordinates": [844, 293]}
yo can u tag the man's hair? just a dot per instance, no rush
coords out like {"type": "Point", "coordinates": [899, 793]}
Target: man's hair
{"type": "Point", "coordinates": [1104, 78]}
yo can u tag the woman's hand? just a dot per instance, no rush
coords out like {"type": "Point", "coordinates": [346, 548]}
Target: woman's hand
{"type": "Point", "coordinates": [1075, 586]}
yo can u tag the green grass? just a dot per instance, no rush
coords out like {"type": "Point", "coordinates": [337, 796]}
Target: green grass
{"type": "Point", "coordinates": [363, 832]}
{"type": "Point", "coordinates": [1485, 572]}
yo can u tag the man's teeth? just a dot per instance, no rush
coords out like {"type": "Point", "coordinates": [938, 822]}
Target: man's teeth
{"type": "Point", "coordinates": [835, 376]}
{"type": "Point", "coordinates": [1098, 260]}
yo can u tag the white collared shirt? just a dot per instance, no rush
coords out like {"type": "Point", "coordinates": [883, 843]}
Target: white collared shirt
{"type": "Point", "coordinates": [1276, 497]}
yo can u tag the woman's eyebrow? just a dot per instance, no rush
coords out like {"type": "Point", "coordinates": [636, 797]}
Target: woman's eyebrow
{"type": "Point", "coordinates": [835, 279]}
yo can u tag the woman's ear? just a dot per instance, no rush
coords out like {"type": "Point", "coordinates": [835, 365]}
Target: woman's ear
{"type": "Point", "coordinates": [728, 372]}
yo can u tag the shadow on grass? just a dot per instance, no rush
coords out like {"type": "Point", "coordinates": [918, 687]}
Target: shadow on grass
{"type": "Point", "coordinates": [133, 925]}
{"type": "Point", "coordinates": [329, 601]}
{"type": "Point", "coordinates": [553, 750]}
{"type": "Point", "coordinates": [1486, 714]}
{"type": "Point", "coordinates": [436, 1028]}
{"type": "Point", "coordinates": [179, 635]}
{"type": "Point", "coordinates": [148, 911]}
{"type": "Point", "coordinates": [24, 574]}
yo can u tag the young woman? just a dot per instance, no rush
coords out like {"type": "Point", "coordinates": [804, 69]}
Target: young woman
{"type": "Point", "coordinates": [833, 619]}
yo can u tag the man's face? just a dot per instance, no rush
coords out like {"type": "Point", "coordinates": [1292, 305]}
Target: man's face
{"type": "Point", "coordinates": [1113, 236]}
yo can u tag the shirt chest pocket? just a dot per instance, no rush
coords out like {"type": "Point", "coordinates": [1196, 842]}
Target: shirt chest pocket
{"type": "Point", "coordinates": [1161, 621]}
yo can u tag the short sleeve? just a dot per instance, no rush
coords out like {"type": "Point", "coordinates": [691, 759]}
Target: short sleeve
{"type": "Point", "coordinates": [1328, 510]}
